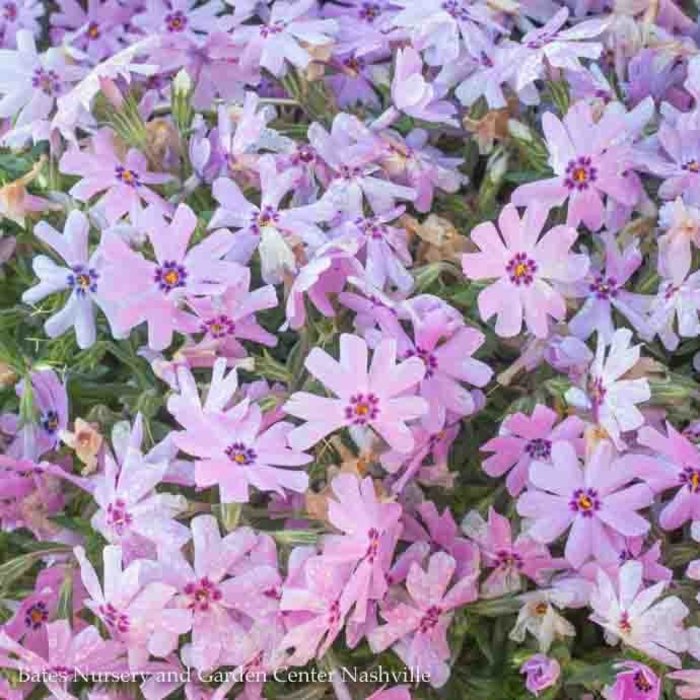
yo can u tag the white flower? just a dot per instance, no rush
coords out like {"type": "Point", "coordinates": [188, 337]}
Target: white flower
{"type": "Point", "coordinates": [633, 616]}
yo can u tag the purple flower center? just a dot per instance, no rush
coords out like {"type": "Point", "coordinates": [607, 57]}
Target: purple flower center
{"type": "Point", "coordinates": [170, 275]}
{"type": "Point", "coordinates": [580, 173]}
{"type": "Point", "coordinates": [429, 360]}
{"type": "Point", "coordinates": [47, 81]}
{"type": "Point", "coordinates": [692, 166]}
{"type": "Point", "coordinates": [362, 409]}
{"type": "Point", "coordinates": [118, 517]}
{"type": "Point", "coordinates": [585, 501]}
{"type": "Point", "coordinates": [348, 173]}
{"type": "Point", "coordinates": [540, 39]}
{"type": "Point", "coordinates": [456, 9]}
{"type": "Point", "coordinates": [521, 269]}
{"type": "Point", "coordinates": [238, 453]}
{"type": "Point", "coordinates": [642, 683]}
{"type": "Point", "coordinates": [371, 228]}
{"type": "Point", "coordinates": [353, 65]}
{"type": "Point", "coordinates": [267, 30]}
{"type": "Point", "coordinates": [127, 176]}
{"type": "Point", "coordinates": [430, 619]}
{"type": "Point", "coordinates": [219, 326]}
{"type": "Point", "coordinates": [202, 594]}
{"type": "Point", "coordinates": [113, 618]}
{"type": "Point", "coordinates": [625, 555]}
{"type": "Point", "coordinates": [539, 448]}
{"type": "Point", "coordinates": [175, 22]}
{"type": "Point", "coordinates": [10, 11]}
{"type": "Point", "coordinates": [507, 559]}
{"type": "Point", "coordinates": [690, 476]}
{"type": "Point", "coordinates": [670, 291]}
{"type": "Point", "coordinates": [369, 11]}
{"type": "Point", "coordinates": [49, 421]}
{"type": "Point", "coordinates": [604, 288]}
{"type": "Point", "coordinates": [83, 280]}
{"type": "Point", "coordinates": [93, 31]}
{"type": "Point", "coordinates": [36, 615]}
{"type": "Point", "coordinates": [267, 216]}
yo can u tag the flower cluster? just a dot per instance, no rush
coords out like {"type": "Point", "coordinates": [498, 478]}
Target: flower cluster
{"type": "Point", "coordinates": [349, 349]}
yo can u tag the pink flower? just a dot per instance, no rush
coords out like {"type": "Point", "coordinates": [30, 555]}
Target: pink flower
{"type": "Point", "coordinates": [418, 629]}
{"type": "Point", "coordinates": [234, 449]}
{"type": "Point", "coordinates": [541, 672]}
{"type": "Point", "coordinates": [124, 179]}
{"type": "Point", "coordinates": [153, 291]}
{"type": "Point", "coordinates": [178, 19]}
{"type": "Point", "coordinates": [67, 655]}
{"type": "Point", "coordinates": [589, 160]}
{"type": "Point", "coordinates": [381, 398]}
{"type": "Point", "coordinates": [634, 681]}
{"type": "Point", "coordinates": [509, 559]}
{"type": "Point", "coordinates": [595, 501]}
{"type": "Point", "coordinates": [132, 514]}
{"type": "Point", "coordinates": [676, 466]}
{"type": "Point", "coordinates": [525, 266]}
{"type": "Point", "coordinates": [523, 439]}
{"type": "Point", "coordinates": [315, 608]}
{"type": "Point", "coordinates": [371, 529]}
{"type": "Point", "coordinates": [691, 677]}
{"type": "Point", "coordinates": [398, 693]}
{"type": "Point", "coordinates": [137, 615]}
{"type": "Point", "coordinates": [206, 590]}
{"type": "Point", "coordinates": [632, 616]}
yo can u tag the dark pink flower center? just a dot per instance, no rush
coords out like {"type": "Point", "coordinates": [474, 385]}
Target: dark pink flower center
{"type": "Point", "coordinates": [219, 326]}
{"type": "Point", "coordinates": [114, 618]}
{"type": "Point", "coordinates": [170, 275]}
{"type": "Point", "coordinates": [334, 613]}
{"type": "Point", "coordinates": [238, 453]}
{"type": "Point", "coordinates": [118, 516]}
{"type": "Point", "coordinates": [642, 683]}
{"type": "Point", "coordinates": [625, 625]}
{"type": "Point", "coordinates": [580, 173]}
{"type": "Point", "coordinates": [670, 291]}
{"type": "Point", "coordinates": [597, 392]}
{"type": "Point", "coordinates": [539, 448]}
{"type": "Point", "coordinates": [585, 501]}
{"type": "Point", "coordinates": [47, 81]}
{"type": "Point", "coordinates": [521, 269]}
{"type": "Point", "coordinates": [430, 619]}
{"type": "Point", "coordinates": [304, 154]}
{"type": "Point", "coordinates": [175, 22]}
{"type": "Point", "coordinates": [10, 11]}
{"type": "Point", "coordinates": [507, 559]}
{"type": "Point", "coordinates": [36, 615]}
{"type": "Point", "coordinates": [690, 477]}
{"type": "Point", "coordinates": [127, 176]}
{"type": "Point", "coordinates": [348, 173]}
{"type": "Point", "coordinates": [202, 594]}
{"type": "Point", "coordinates": [362, 409]}
{"type": "Point", "coordinates": [604, 287]}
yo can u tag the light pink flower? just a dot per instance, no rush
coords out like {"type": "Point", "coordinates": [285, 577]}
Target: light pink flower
{"type": "Point", "coordinates": [419, 628]}
{"type": "Point", "coordinates": [525, 266]}
{"type": "Point", "coordinates": [594, 501]}
{"type": "Point", "coordinates": [139, 616]}
{"type": "Point", "coordinates": [381, 398]}
{"type": "Point", "coordinates": [126, 180]}
{"type": "Point", "coordinates": [634, 681]}
{"type": "Point", "coordinates": [541, 673]}
{"type": "Point", "coordinates": [153, 291]}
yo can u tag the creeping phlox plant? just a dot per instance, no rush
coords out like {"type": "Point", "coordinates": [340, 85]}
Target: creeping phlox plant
{"type": "Point", "coordinates": [348, 349]}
